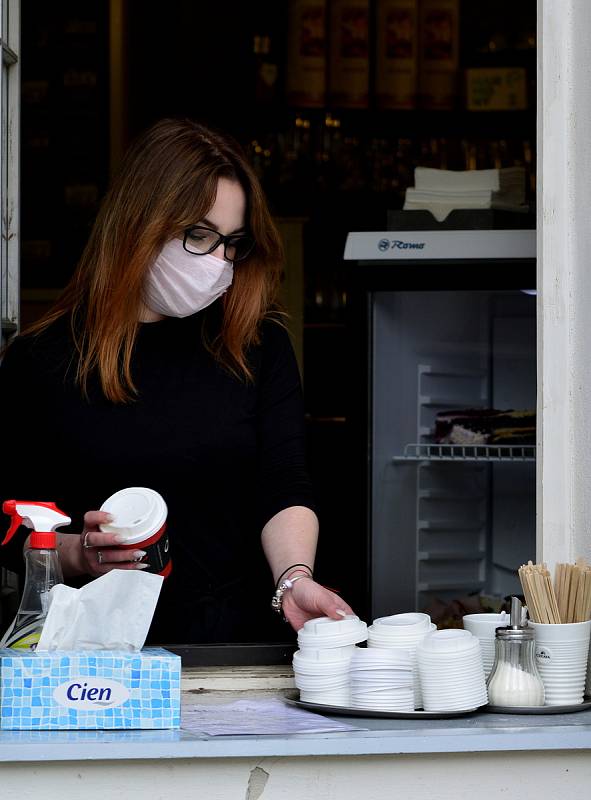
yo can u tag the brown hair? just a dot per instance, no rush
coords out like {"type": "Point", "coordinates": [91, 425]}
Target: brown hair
{"type": "Point", "coordinates": [167, 182]}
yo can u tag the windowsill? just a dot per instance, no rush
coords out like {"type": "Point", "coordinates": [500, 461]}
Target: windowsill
{"type": "Point", "coordinates": [474, 733]}
{"type": "Point", "coordinates": [237, 679]}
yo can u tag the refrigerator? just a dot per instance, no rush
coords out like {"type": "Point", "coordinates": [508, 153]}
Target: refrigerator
{"type": "Point", "coordinates": [443, 330]}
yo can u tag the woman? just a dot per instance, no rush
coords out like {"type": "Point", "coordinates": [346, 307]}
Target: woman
{"type": "Point", "coordinates": [165, 364]}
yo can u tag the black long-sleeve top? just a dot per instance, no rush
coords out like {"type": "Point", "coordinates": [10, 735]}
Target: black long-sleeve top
{"type": "Point", "coordinates": [225, 454]}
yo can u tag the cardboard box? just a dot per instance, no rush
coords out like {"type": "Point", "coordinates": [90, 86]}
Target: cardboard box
{"type": "Point", "coordinates": [89, 689]}
{"type": "Point", "coordinates": [496, 89]}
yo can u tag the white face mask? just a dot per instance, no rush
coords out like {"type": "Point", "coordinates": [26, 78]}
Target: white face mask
{"type": "Point", "coordinates": [179, 284]}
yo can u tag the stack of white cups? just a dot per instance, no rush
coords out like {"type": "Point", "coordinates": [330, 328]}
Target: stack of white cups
{"type": "Point", "coordinates": [321, 665]}
{"type": "Point", "coordinates": [484, 627]}
{"type": "Point", "coordinates": [402, 631]}
{"type": "Point", "coordinates": [451, 671]}
{"type": "Point", "coordinates": [382, 680]}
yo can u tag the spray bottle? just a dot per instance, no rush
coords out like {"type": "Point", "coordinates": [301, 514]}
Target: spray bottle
{"type": "Point", "coordinates": [43, 568]}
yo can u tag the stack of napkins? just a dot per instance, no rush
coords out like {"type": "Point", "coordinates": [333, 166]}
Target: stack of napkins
{"type": "Point", "coordinates": [441, 191]}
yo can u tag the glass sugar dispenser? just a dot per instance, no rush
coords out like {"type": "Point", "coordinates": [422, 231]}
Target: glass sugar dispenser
{"type": "Point", "coordinates": [514, 679]}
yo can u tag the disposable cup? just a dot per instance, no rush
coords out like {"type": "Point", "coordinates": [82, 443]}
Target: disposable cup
{"type": "Point", "coordinates": [447, 691]}
{"type": "Point", "coordinates": [452, 640]}
{"type": "Point", "coordinates": [459, 672]}
{"type": "Point", "coordinates": [374, 677]}
{"type": "Point", "coordinates": [329, 654]}
{"type": "Point", "coordinates": [139, 519]}
{"type": "Point", "coordinates": [307, 682]}
{"type": "Point", "coordinates": [367, 686]}
{"type": "Point", "coordinates": [443, 691]}
{"type": "Point", "coordinates": [402, 689]}
{"type": "Point", "coordinates": [483, 626]}
{"type": "Point", "coordinates": [451, 684]}
{"type": "Point", "coordinates": [562, 651]}
{"type": "Point", "coordinates": [471, 654]}
{"type": "Point", "coordinates": [326, 700]}
{"type": "Point", "coordinates": [320, 669]}
{"type": "Point", "coordinates": [383, 705]}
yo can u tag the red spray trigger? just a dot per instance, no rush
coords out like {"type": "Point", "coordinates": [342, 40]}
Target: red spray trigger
{"type": "Point", "coordinates": [9, 507]}
{"type": "Point", "coordinates": [41, 517]}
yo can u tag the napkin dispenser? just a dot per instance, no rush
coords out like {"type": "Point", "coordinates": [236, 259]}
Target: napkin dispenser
{"type": "Point", "coordinates": [102, 679]}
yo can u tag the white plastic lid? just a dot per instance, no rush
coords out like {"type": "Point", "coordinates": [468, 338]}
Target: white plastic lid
{"type": "Point", "coordinates": [137, 512]}
{"type": "Point", "coordinates": [407, 622]}
{"type": "Point", "coordinates": [324, 632]}
{"type": "Point", "coordinates": [451, 640]}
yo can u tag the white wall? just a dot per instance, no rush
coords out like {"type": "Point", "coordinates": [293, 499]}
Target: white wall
{"type": "Point", "coordinates": [486, 776]}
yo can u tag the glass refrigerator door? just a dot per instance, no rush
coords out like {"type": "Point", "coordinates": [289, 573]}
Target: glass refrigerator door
{"type": "Point", "coordinates": [453, 519]}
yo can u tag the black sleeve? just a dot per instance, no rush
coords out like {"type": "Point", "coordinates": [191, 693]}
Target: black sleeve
{"type": "Point", "coordinates": [283, 478]}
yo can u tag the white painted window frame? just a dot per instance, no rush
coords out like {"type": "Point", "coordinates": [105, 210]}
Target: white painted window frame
{"type": "Point", "coordinates": [9, 167]}
{"type": "Point", "coordinates": [9, 193]}
{"type": "Point", "coordinates": [564, 261]}
{"type": "Point", "coordinates": [564, 280]}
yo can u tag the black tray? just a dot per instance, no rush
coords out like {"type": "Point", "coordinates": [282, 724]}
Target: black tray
{"type": "Point", "coordinates": [570, 709]}
{"type": "Point", "coordinates": [360, 712]}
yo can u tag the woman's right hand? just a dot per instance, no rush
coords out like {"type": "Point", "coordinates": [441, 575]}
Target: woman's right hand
{"type": "Point", "coordinates": [95, 554]}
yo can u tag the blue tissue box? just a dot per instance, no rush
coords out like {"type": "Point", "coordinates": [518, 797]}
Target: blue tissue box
{"type": "Point", "coordinates": [89, 689]}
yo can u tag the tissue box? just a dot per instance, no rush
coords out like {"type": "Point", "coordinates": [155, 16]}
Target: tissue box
{"type": "Point", "coordinates": [89, 689]}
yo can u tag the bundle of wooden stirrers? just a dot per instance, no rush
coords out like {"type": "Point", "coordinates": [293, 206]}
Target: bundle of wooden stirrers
{"type": "Point", "coordinates": [568, 600]}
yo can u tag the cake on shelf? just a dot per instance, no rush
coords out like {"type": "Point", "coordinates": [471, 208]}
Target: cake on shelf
{"type": "Point", "coordinates": [474, 426]}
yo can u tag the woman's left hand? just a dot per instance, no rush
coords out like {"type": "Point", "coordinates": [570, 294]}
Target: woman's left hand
{"type": "Point", "coordinates": [308, 599]}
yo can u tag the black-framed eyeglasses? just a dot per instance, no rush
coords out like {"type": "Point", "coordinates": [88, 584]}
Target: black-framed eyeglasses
{"type": "Point", "coordinates": [200, 241]}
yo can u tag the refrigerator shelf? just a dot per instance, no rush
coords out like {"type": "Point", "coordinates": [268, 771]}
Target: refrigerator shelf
{"type": "Point", "coordinates": [434, 586]}
{"type": "Point", "coordinates": [450, 555]}
{"type": "Point", "coordinates": [466, 452]}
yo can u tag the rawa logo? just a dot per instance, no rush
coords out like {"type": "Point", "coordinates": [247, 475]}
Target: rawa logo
{"type": "Point", "coordinates": [398, 244]}
{"type": "Point", "coordinates": [87, 692]}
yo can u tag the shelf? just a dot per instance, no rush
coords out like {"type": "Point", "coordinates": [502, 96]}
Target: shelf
{"type": "Point", "coordinates": [441, 402]}
{"type": "Point", "coordinates": [467, 453]}
{"type": "Point", "coordinates": [431, 586]}
{"type": "Point", "coordinates": [449, 525]}
{"type": "Point", "coordinates": [434, 555]}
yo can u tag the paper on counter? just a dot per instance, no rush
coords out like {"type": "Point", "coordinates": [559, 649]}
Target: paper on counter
{"type": "Point", "coordinates": [256, 717]}
{"type": "Point", "coordinates": [113, 612]}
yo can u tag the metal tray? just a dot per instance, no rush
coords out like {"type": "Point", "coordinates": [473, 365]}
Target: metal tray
{"type": "Point", "coordinates": [540, 709]}
{"type": "Point", "coordinates": [360, 712]}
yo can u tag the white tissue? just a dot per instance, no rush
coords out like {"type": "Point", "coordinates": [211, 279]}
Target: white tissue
{"type": "Point", "coordinates": [113, 612]}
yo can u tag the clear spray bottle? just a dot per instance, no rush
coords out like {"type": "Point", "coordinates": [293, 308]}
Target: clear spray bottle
{"type": "Point", "coordinates": [42, 565]}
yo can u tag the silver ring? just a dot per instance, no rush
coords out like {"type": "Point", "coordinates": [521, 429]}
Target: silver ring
{"type": "Point", "coordinates": [99, 556]}
{"type": "Point", "coordinates": [85, 541]}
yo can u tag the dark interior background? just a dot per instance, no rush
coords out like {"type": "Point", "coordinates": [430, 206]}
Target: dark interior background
{"type": "Point", "coordinates": [204, 60]}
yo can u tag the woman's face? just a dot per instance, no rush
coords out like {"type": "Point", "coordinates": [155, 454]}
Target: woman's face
{"type": "Point", "coordinates": [227, 214]}
{"type": "Point", "coordinates": [226, 217]}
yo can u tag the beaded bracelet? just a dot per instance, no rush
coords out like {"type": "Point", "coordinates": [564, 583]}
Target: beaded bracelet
{"type": "Point", "coordinates": [277, 601]}
{"type": "Point", "coordinates": [285, 571]}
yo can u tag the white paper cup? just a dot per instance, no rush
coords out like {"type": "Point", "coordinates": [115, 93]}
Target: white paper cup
{"type": "Point", "coordinates": [139, 518]}
{"type": "Point", "coordinates": [562, 651]}
{"type": "Point", "coordinates": [331, 654]}
{"type": "Point", "coordinates": [451, 671]}
{"type": "Point", "coordinates": [483, 626]}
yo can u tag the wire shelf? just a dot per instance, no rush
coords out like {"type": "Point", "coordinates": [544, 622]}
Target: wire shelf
{"type": "Point", "coordinates": [467, 452]}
